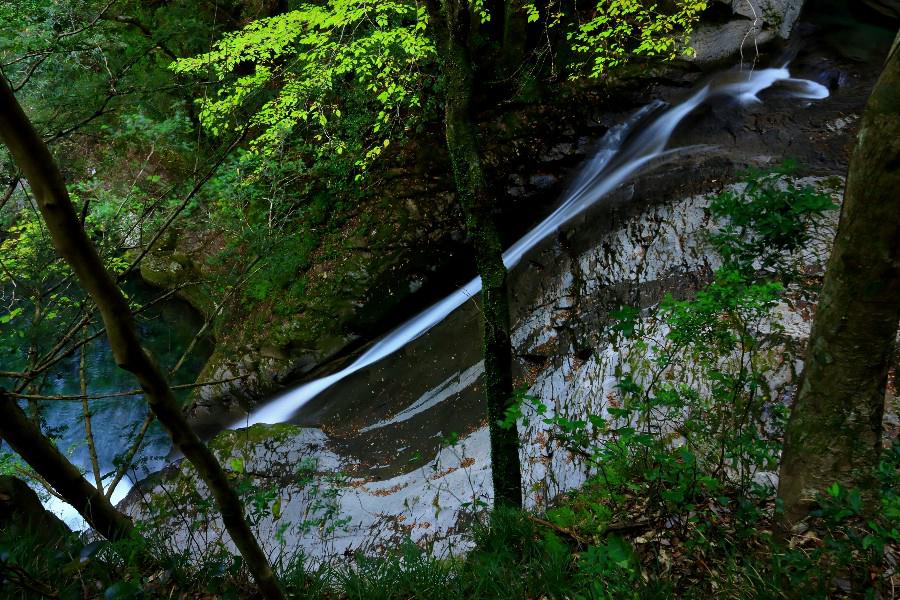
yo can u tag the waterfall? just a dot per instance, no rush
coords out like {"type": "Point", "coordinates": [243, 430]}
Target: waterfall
{"type": "Point", "coordinates": [619, 155]}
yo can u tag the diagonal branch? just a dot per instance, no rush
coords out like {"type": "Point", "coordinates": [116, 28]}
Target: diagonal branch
{"type": "Point", "coordinates": [42, 455]}
{"type": "Point", "coordinates": [71, 241]}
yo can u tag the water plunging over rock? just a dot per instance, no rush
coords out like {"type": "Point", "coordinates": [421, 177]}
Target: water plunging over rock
{"type": "Point", "coordinates": [431, 498]}
{"type": "Point", "coordinates": [614, 163]}
{"type": "Point", "coordinates": [168, 328]}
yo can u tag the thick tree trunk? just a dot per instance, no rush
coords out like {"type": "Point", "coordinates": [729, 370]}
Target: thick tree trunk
{"type": "Point", "coordinates": [49, 189]}
{"type": "Point", "coordinates": [42, 455]}
{"type": "Point", "coordinates": [835, 429]}
{"type": "Point", "coordinates": [449, 22]}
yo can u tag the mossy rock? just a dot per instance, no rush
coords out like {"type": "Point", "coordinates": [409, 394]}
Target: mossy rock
{"type": "Point", "coordinates": [168, 270]}
{"type": "Point", "coordinates": [242, 441]}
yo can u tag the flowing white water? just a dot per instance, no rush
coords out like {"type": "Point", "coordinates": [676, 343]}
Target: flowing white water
{"type": "Point", "coordinates": [613, 163]}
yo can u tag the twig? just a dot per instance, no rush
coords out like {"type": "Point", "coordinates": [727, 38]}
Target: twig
{"type": "Point", "coordinates": [126, 461]}
{"type": "Point", "coordinates": [561, 530]}
{"type": "Point", "coordinates": [187, 199]}
{"type": "Point", "coordinates": [628, 526]}
{"type": "Point", "coordinates": [26, 474]}
{"type": "Point", "coordinates": [134, 392]}
{"type": "Point", "coordinates": [26, 581]}
{"type": "Point", "coordinates": [216, 313]}
{"type": "Point", "coordinates": [51, 357]}
{"type": "Point", "coordinates": [86, 411]}
{"type": "Point", "coordinates": [10, 190]}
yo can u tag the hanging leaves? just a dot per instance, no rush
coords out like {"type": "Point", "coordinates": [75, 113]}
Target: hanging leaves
{"type": "Point", "coordinates": [306, 63]}
{"type": "Point", "coordinates": [622, 30]}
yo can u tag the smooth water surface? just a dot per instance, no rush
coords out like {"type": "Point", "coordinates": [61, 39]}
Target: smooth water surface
{"type": "Point", "coordinates": [166, 330]}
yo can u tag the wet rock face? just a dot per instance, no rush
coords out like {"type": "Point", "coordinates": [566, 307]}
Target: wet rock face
{"type": "Point", "coordinates": [21, 513]}
{"type": "Point", "coordinates": [567, 356]}
{"type": "Point", "coordinates": [389, 428]}
{"type": "Point", "coordinates": [662, 250]}
{"type": "Point", "coordinates": [419, 253]}
{"type": "Point", "coordinates": [415, 251]}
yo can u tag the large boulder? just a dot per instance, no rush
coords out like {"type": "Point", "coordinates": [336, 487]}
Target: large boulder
{"type": "Point", "coordinates": [778, 16]}
{"type": "Point", "coordinates": [753, 23]}
{"type": "Point", "coordinates": [713, 43]}
{"type": "Point", "coordinates": [21, 513]}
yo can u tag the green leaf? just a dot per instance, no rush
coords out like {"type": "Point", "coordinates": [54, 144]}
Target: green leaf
{"type": "Point", "coordinates": [276, 508]}
{"type": "Point", "coordinates": [620, 551]}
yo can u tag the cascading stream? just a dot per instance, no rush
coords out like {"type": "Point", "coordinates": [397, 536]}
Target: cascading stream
{"type": "Point", "coordinates": [614, 161]}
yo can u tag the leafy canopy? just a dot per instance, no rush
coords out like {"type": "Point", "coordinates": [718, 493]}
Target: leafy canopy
{"type": "Point", "coordinates": [302, 72]}
{"type": "Point", "coordinates": [622, 30]}
{"type": "Point", "coordinates": [318, 57]}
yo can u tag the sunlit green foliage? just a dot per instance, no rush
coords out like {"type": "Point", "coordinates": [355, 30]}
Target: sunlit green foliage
{"type": "Point", "coordinates": [321, 92]}
{"type": "Point", "coordinates": [298, 73]}
{"type": "Point", "coordinates": [318, 55]}
{"type": "Point", "coordinates": [624, 30]}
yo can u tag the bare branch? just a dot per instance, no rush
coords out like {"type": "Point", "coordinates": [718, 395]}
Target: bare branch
{"type": "Point", "coordinates": [88, 433]}
{"type": "Point", "coordinates": [44, 457]}
{"type": "Point", "coordinates": [135, 392]}
{"type": "Point", "coordinates": [129, 456]}
{"type": "Point", "coordinates": [187, 199]}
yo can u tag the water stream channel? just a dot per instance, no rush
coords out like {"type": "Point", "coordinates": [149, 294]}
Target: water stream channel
{"type": "Point", "coordinates": [167, 329]}
{"type": "Point", "coordinates": [639, 142]}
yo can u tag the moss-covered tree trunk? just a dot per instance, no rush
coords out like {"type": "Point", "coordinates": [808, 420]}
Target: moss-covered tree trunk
{"type": "Point", "coordinates": [449, 21]}
{"type": "Point", "coordinates": [835, 429]}
{"type": "Point", "coordinates": [71, 241]}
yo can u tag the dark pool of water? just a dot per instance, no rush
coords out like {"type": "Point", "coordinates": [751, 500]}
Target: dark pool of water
{"type": "Point", "coordinates": [166, 329]}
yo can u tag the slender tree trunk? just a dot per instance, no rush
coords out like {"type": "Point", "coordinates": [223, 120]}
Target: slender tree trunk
{"type": "Point", "coordinates": [449, 22]}
{"type": "Point", "coordinates": [25, 437]}
{"type": "Point", "coordinates": [515, 36]}
{"type": "Point", "coordinates": [835, 430]}
{"type": "Point", "coordinates": [86, 411]}
{"type": "Point", "coordinates": [49, 189]}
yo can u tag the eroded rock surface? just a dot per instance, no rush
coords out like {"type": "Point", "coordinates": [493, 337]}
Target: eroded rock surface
{"type": "Point", "coordinates": [431, 498]}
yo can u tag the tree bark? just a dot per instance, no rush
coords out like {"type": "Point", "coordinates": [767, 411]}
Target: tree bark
{"type": "Point", "coordinates": [49, 189]}
{"type": "Point", "coordinates": [450, 26]}
{"type": "Point", "coordinates": [835, 430]}
{"type": "Point", "coordinates": [44, 457]}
